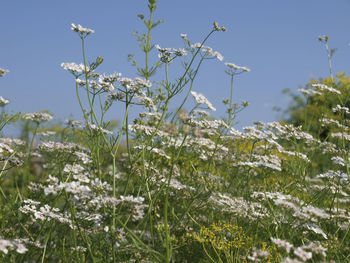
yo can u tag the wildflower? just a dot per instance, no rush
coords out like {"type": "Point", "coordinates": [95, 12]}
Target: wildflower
{"type": "Point", "coordinates": [316, 248]}
{"type": "Point", "coordinates": [5, 244]}
{"type": "Point", "coordinates": [302, 254]}
{"type": "Point", "coordinates": [57, 146]}
{"type": "Point", "coordinates": [339, 108]}
{"type": "Point", "coordinates": [180, 52]}
{"type": "Point", "coordinates": [236, 68]}
{"type": "Point", "coordinates": [3, 72]}
{"type": "Point", "coordinates": [208, 51]}
{"type": "Point", "coordinates": [75, 169]}
{"type": "Point", "coordinates": [184, 36]}
{"type": "Point", "coordinates": [132, 199]}
{"type": "Point", "coordinates": [116, 96]}
{"type": "Point", "coordinates": [260, 164]}
{"type": "Point", "coordinates": [44, 213]}
{"type": "Point", "coordinates": [97, 128]}
{"type": "Point", "coordinates": [37, 117]}
{"type": "Point", "coordinates": [341, 135]}
{"type": "Point", "coordinates": [168, 54]}
{"type": "Point", "coordinates": [282, 244]}
{"type": "Point", "coordinates": [81, 30]}
{"type": "Point", "coordinates": [75, 68]}
{"type": "Point", "coordinates": [74, 187]}
{"type": "Point", "coordinates": [3, 101]}
{"type": "Point", "coordinates": [258, 255]}
{"type": "Point", "coordinates": [326, 121]}
{"type": "Point", "coordinates": [323, 87]}
{"type": "Point", "coordinates": [316, 229]}
{"type": "Point", "coordinates": [309, 92]}
{"type": "Point", "coordinates": [217, 55]}
{"type": "Point", "coordinates": [200, 113]}
{"type": "Point", "coordinates": [333, 174]}
{"type": "Point", "coordinates": [339, 160]}
{"type": "Point", "coordinates": [143, 82]}
{"type": "Point", "coordinates": [73, 123]}
{"type": "Point", "coordinates": [200, 99]}
{"type": "Point", "coordinates": [239, 206]}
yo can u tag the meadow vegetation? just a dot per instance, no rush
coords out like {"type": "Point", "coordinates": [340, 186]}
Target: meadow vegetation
{"type": "Point", "coordinates": [176, 186]}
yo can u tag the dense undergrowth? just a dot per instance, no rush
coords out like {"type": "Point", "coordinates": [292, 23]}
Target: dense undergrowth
{"type": "Point", "coordinates": [175, 186]}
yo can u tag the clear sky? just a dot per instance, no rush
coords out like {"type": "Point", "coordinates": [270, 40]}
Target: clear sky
{"type": "Point", "coordinates": [276, 39]}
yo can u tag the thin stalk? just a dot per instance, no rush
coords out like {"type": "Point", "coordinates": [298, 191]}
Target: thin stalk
{"type": "Point", "coordinates": [189, 90]}
{"type": "Point", "coordinates": [329, 61]}
{"type": "Point", "coordinates": [148, 46]}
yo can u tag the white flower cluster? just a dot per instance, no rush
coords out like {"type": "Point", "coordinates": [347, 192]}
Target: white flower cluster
{"type": "Point", "coordinates": [303, 253]}
{"type": "Point", "coordinates": [333, 175]}
{"type": "Point", "coordinates": [200, 99]}
{"type": "Point", "coordinates": [208, 51]}
{"type": "Point", "coordinates": [239, 206]}
{"type": "Point", "coordinates": [323, 87]}
{"type": "Point", "coordinates": [236, 68]}
{"type": "Point", "coordinates": [94, 127]}
{"type": "Point", "coordinates": [341, 135]}
{"type": "Point", "coordinates": [168, 54]}
{"type": "Point", "coordinates": [3, 101]}
{"type": "Point", "coordinates": [75, 68]}
{"type": "Point", "coordinates": [44, 213]}
{"type": "Point", "coordinates": [81, 30]}
{"type": "Point", "coordinates": [52, 146]}
{"type": "Point", "coordinates": [339, 108]}
{"type": "Point", "coordinates": [309, 92]}
{"type": "Point", "coordinates": [5, 245]}
{"type": "Point", "coordinates": [37, 117]}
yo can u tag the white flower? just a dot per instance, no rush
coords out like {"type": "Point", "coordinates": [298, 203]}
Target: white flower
{"type": "Point", "coordinates": [3, 101]}
{"type": "Point", "coordinates": [302, 254]}
{"type": "Point", "coordinates": [73, 67]}
{"type": "Point", "coordinates": [316, 229]}
{"type": "Point", "coordinates": [309, 92]}
{"type": "Point", "coordinates": [208, 51]}
{"type": "Point", "coordinates": [130, 198]}
{"type": "Point", "coordinates": [323, 87]}
{"type": "Point", "coordinates": [200, 99]}
{"type": "Point", "coordinates": [81, 30]}
{"type": "Point", "coordinates": [94, 127]}
{"type": "Point", "coordinates": [5, 244]}
{"type": "Point", "coordinates": [217, 55]}
{"type": "Point", "coordinates": [37, 117]}
{"type": "Point", "coordinates": [183, 36]}
{"type": "Point", "coordinates": [235, 67]}
{"type": "Point", "coordinates": [339, 108]}
{"type": "Point", "coordinates": [341, 135]}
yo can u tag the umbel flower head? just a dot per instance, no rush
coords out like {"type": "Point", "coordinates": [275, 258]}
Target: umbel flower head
{"type": "Point", "coordinates": [233, 69]}
{"type": "Point", "coordinates": [37, 117]}
{"type": "Point", "coordinates": [201, 99]}
{"type": "Point", "coordinates": [83, 31]}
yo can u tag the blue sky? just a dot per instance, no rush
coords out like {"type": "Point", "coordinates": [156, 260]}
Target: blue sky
{"type": "Point", "coordinates": [276, 39]}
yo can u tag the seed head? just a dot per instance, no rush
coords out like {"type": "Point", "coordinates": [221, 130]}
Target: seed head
{"type": "Point", "coordinates": [217, 28]}
{"type": "Point", "coordinates": [323, 38]}
{"type": "Point", "coordinates": [3, 72]}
